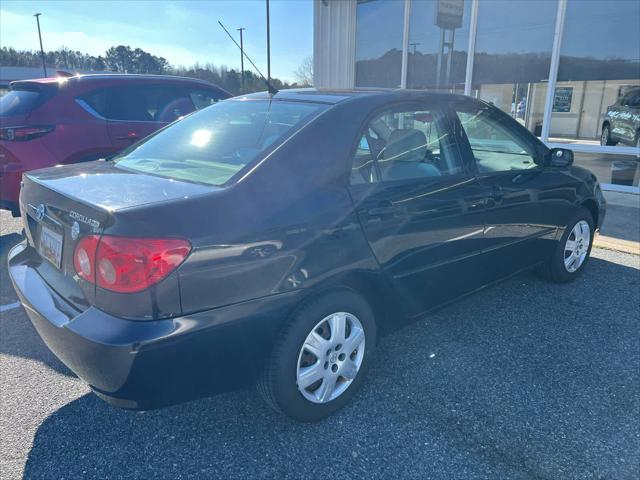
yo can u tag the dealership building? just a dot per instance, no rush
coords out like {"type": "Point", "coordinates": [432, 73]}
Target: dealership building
{"type": "Point", "coordinates": [556, 66]}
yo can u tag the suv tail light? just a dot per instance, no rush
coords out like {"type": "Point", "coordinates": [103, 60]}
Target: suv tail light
{"type": "Point", "coordinates": [125, 264]}
{"type": "Point", "coordinates": [22, 134]}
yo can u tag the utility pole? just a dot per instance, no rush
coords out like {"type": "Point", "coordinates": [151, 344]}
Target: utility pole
{"type": "Point", "coordinates": [241, 57]}
{"type": "Point", "coordinates": [268, 47]}
{"type": "Point", "coordinates": [44, 65]}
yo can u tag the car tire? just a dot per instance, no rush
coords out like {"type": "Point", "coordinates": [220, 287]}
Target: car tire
{"type": "Point", "coordinates": [572, 252]}
{"type": "Point", "coordinates": [605, 138]}
{"type": "Point", "coordinates": [291, 361]}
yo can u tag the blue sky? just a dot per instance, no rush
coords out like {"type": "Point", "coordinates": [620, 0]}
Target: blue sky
{"type": "Point", "coordinates": [184, 32]}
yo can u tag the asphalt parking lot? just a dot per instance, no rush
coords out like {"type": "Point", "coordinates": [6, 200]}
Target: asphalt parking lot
{"type": "Point", "coordinates": [525, 380]}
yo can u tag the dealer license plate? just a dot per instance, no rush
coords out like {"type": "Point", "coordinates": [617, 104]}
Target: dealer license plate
{"type": "Point", "coordinates": [51, 245]}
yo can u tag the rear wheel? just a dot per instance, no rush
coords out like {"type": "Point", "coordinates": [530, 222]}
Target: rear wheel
{"type": "Point", "coordinates": [321, 357]}
{"type": "Point", "coordinates": [573, 249]}
{"type": "Point", "coordinates": [605, 138]}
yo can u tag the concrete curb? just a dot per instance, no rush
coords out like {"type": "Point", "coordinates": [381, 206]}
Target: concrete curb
{"type": "Point", "coordinates": [610, 243]}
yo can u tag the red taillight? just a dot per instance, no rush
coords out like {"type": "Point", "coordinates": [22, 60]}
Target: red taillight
{"type": "Point", "coordinates": [127, 265]}
{"type": "Point", "coordinates": [22, 134]}
{"type": "Point", "coordinates": [84, 258]}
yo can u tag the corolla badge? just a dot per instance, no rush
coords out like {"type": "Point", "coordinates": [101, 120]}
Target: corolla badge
{"type": "Point", "coordinates": [40, 212]}
{"type": "Point", "coordinates": [94, 224]}
{"type": "Point", "coordinates": [75, 230]}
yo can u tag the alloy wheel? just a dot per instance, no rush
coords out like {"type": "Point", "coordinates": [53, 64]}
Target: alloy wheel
{"type": "Point", "coordinates": [330, 357]}
{"type": "Point", "coordinates": [604, 138]}
{"type": "Point", "coordinates": [577, 246]}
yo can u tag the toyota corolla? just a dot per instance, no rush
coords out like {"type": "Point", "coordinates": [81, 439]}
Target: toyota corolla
{"type": "Point", "coordinates": [273, 238]}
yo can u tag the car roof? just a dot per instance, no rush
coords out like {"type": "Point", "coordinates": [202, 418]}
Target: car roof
{"type": "Point", "coordinates": [334, 96]}
{"type": "Point", "coordinates": [116, 77]}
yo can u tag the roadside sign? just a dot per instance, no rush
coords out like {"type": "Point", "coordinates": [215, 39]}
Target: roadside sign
{"type": "Point", "coordinates": [449, 13]}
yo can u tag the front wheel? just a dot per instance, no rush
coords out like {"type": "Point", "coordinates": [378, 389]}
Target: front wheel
{"type": "Point", "coordinates": [319, 361]}
{"type": "Point", "coordinates": [573, 249]}
{"type": "Point", "coordinates": [605, 138]}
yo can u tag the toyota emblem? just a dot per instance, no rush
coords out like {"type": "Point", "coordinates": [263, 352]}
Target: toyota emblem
{"type": "Point", "coordinates": [75, 230]}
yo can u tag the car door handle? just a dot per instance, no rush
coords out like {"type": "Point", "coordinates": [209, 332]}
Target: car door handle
{"type": "Point", "coordinates": [381, 211]}
{"type": "Point", "coordinates": [496, 193]}
{"type": "Point", "coordinates": [131, 136]}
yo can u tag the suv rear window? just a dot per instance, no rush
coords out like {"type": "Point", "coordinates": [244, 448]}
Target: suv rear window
{"type": "Point", "coordinates": [18, 102]}
{"type": "Point", "coordinates": [212, 145]}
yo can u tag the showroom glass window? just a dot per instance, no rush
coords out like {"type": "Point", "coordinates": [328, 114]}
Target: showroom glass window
{"type": "Point", "coordinates": [379, 27]}
{"type": "Point", "coordinates": [596, 70]}
{"type": "Point", "coordinates": [595, 73]}
{"type": "Point", "coordinates": [512, 57]}
{"type": "Point", "coordinates": [438, 39]}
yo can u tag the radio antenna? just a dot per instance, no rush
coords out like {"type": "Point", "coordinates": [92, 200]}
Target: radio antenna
{"type": "Point", "coordinates": [270, 88]}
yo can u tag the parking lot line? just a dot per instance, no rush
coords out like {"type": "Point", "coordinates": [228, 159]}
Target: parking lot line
{"type": "Point", "coordinates": [9, 306]}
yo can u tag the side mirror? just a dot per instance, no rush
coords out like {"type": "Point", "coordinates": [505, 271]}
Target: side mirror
{"type": "Point", "coordinates": [559, 157]}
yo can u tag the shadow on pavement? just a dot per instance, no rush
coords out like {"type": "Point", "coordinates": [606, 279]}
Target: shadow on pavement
{"type": "Point", "coordinates": [7, 241]}
{"type": "Point", "coordinates": [524, 380]}
{"type": "Point", "coordinates": [19, 338]}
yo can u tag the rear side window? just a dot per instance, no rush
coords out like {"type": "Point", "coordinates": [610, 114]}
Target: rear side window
{"type": "Point", "coordinates": [19, 102]}
{"type": "Point", "coordinates": [147, 103]}
{"type": "Point", "coordinates": [214, 144]}
{"type": "Point", "coordinates": [202, 98]}
{"type": "Point", "coordinates": [405, 144]}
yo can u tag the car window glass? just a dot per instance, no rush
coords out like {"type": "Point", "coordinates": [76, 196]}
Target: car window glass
{"type": "Point", "coordinates": [18, 102]}
{"type": "Point", "coordinates": [627, 98]}
{"type": "Point", "coordinates": [96, 101]}
{"type": "Point", "coordinates": [203, 98]}
{"type": "Point", "coordinates": [141, 103]}
{"type": "Point", "coordinates": [403, 145]}
{"type": "Point", "coordinates": [495, 148]}
{"type": "Point", "coordinates": [215, 143]}
{"type": "Point", "coordinates": [363, 170]}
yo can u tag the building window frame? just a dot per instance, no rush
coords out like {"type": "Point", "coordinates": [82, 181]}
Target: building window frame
{"type": "Point", "coordinates": [551, 87]}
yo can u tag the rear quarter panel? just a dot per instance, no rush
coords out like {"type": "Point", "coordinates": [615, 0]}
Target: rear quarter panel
{"type": "Point", "coordinates": [288, 225]}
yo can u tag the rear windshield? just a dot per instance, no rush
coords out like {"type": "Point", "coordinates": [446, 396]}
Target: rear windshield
{"type": "Point", "coordinates": [18, 102]}
{"type": "Point", "coordinates": [212, 145]}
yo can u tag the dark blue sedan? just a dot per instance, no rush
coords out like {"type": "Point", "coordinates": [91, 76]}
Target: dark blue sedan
{"type": "Point", "coordinates": [274, 238]}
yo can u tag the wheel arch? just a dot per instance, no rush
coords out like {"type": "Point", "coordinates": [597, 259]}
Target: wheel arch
{"type": "Point", "coordinates": [591, 205]}
{"type": "Point", "coordinates": [371, 286]}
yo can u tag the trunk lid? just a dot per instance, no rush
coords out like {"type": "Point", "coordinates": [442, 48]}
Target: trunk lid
{"type": "Point", "coordinates": [60, 205]}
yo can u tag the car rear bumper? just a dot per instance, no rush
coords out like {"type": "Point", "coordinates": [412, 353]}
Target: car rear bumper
{"type": "Point", "coordinates": [148, 364]}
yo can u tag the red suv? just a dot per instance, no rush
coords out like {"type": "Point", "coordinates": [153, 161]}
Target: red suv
{"type": "Point", "coordinates": [75, 119]}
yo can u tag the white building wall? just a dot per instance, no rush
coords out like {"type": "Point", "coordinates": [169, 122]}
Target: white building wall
{"type": "Point", "coordinates": [334, 43]}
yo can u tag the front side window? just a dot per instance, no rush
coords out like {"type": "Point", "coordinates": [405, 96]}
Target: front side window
{"type": "Point", "coordinates": [404, 145]}
{"type": "Point", "coordinates": [495, 147]}
{"type": "Point", "coordinates": [214, 144]}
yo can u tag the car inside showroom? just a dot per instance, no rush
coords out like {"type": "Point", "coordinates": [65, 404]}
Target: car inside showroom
{"type": "Point", "coordinates": [569, 71]}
